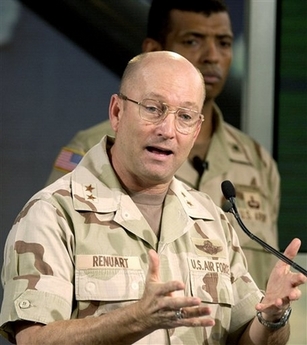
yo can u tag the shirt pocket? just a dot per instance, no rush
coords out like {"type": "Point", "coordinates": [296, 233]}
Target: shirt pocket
{"type": "Point", "coordinates": [212, 287]}
{"type": "Point", "coordinates": [109, 284]}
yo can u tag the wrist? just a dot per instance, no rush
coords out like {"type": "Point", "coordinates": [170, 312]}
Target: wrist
{"type": "Point", "coordinates": [276, 323]}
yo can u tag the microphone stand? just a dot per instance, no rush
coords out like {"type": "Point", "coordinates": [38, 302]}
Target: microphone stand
{"type": "Point", "coordinates": [230, 206]}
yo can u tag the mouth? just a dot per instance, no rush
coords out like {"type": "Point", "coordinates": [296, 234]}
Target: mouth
{"type": "Point", "coordinates": [159, 151]}
{"type": "Point", "coordinates": [212, 77]}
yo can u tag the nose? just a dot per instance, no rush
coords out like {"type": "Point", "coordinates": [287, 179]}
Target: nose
{"type": "Point", "coordinates": [210, 51]}
{"type": "Point", "coordinates": [167, 127]}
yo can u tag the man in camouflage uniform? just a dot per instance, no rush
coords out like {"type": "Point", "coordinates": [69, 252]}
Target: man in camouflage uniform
{"type": "Point", "coordinates": [201, 32]}
{"type": "Point", "coordinates": [120, 252]}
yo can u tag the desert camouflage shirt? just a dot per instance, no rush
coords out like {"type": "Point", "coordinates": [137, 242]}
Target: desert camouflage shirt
{"type": "Point", "coordinates": [79, 249]}
{"type": "Point", "coordinates": [233, 156]}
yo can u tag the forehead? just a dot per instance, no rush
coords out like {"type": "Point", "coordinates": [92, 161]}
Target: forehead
{"type": "Point", "coordinates": [172, 80]}
{"type": "Point", "coordinates": [184, 22]}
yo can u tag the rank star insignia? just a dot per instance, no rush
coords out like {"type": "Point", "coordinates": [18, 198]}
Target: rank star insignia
{"type": "Point", "coordinates": [89, 188]}
{"type": "Point", "coordinates": [91, 197]}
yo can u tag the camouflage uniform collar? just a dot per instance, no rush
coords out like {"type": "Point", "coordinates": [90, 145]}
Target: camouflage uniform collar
{"type": "Point", "coordinates": [95, 186]}
{"type": "Point", "coordinates": [189, 203]}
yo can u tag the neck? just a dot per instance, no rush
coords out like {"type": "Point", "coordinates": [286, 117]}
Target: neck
{"type": "Point", "coordinates": [151, 190]}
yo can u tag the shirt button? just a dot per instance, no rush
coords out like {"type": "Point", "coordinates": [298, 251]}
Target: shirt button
{"type": "Point", "coordinates": [135, 286]}
{"type": "Point", "coordinates": [90, 287]}
{"type": "Point", "coordinates": [24, 304]}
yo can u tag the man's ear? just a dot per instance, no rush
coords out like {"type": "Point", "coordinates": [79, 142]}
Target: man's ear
{"type": "Point", "coordinates": [151, 45]}
{"type": "Point", "coordinates": [114, 112]}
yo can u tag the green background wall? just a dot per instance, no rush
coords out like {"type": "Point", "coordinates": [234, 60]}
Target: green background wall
{"type": "Point", "coordinates": [291, 126]}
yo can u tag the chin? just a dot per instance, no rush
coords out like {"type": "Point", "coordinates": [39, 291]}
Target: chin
{"type": "Point", "coordinates": [211, 92]}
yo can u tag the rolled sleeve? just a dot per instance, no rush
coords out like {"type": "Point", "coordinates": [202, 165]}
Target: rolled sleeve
{"type": "Point", "coordinates": [38, 272]}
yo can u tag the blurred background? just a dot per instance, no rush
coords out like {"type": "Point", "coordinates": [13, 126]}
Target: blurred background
{"type": "Point", "coordinates": [61, 60]}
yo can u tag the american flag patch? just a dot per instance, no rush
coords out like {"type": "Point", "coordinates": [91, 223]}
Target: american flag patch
{"type": "Point", "coordinates": [67, 160]}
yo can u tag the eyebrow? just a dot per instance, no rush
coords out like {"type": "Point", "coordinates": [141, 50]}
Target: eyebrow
{"type": "Point", "coordinates": [160, 98]}
{"type": "Point", "coordinates": [201, 35]}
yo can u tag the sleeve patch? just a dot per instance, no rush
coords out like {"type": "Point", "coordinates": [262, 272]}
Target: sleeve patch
{"type": "Point", "coordinates": [67, 160]}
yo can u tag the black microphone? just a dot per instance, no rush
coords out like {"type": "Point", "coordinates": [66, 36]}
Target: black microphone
{"type": "Point", "coordinates": [199, 165]}
{"type": "Point", "coordinates": [230, 206]}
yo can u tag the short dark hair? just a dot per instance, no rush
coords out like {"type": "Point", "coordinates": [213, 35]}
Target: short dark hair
{"type": "Point", "coordinates": [158, 22]}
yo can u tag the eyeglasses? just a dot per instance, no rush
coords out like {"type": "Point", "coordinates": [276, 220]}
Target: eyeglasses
{"type": "Point", "coordinates": [151, 110]}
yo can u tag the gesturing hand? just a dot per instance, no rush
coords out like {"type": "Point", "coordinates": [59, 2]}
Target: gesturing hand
{"type": "Point", "coordinates": [160, 308]}
{"type": "Point", "coordinates": [283, 285]}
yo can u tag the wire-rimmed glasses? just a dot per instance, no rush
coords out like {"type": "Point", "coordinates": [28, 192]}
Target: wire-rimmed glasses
{"type": "Point", "coordinates": [154, 111]}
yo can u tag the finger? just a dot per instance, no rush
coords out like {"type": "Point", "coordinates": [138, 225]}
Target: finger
{"type": "Point", "coordinates": [290, 252]}
{"type": "Point", "coordinates": [293, 248]}
{"type": "Point", "coordinates": [188, 317]}
{"type": "Point", "coordinates": [193, 317]}
{"type": "Point", "coordinates": [153, 274]}
{"type": "Point", "coordinates": [267, 307]}
{"type": "Point", "coordinates": [188, 313]}
{"type": "Point", "coordinates": [175, 303]}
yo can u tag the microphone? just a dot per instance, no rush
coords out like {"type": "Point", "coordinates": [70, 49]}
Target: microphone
{"type": "Point", "coordinates": [230, 206]}
{"type": "Point", "coordinates": [200, 166]}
